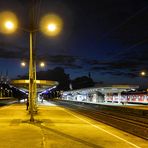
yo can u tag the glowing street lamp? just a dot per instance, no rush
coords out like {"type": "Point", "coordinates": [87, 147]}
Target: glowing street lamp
{"type": "Point", "coordinates": [52, 27]}
{"type": "Point", "coordinates": [23, 64]}
{"type": "Point", "coordinates": [9, 25]}
{"type": "Point", "coordinates": [42, 64]}
{"type": "Point", "coordinates": [8, 22]}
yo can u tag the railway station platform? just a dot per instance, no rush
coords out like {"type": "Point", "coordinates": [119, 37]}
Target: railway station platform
{"type": "Point", "coordinates": [58, 127]}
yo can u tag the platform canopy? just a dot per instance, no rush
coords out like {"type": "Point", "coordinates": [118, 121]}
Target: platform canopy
{"type": "Point", "coordinates": [41, 84]}
{"type": "Point", "coordinates": [103, 89]}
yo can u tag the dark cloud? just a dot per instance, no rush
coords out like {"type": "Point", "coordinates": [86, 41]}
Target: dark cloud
{"type": "Point", "coordinates": [62, 59]}
{"type": "Point", "coordinates": [57, 59]}
{"type": "Point", "coordinates": [66, 61]}
{"type": "Point", "coordinates": [92, 62]}
{"type": "Point", "coordinates": [7, 54]}
{"type": "Point", "coordinates": [99, 68]}
{"type": "Point", "coordinates": [127, 65]}
{"type": "Point", "coordinates": [121, 74]}
{"type": "Point", "coordinates": [113, 64]}
{"type": "Point", "coordinates": [73, 66]}
{"type": "Point", "coordinates": [12, 50]}
{"type": "Point", "coordinates": [119, 67]}
{"type": "Point", "coordinates": [139, 55]}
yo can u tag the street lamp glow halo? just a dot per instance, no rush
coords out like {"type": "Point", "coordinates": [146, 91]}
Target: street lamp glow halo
{"type": "Point", "coordinates": [8, 22]}
{"type": "Point", "coordinates": [51, 25]}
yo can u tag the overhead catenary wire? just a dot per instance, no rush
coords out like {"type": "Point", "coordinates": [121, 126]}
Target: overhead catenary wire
{"type": "Point", "coordinates": [124, 22]}
{"type": "Point", "coordinates": [127, 20]}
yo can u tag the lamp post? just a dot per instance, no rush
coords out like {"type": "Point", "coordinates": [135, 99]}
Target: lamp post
{"type": "Point", "coordinates": [31, 82]}
{"type": "Point", "coordinates": [32, 76]}
{"type": "Point", "coordinates": [50, 25]}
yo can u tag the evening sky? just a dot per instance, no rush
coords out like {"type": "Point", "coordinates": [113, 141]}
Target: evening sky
{"type": "Point", "coordinates": [106, 38]}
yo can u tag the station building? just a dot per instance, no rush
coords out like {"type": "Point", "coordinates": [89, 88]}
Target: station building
{"type": "Point", "coordinates": [99, 94]}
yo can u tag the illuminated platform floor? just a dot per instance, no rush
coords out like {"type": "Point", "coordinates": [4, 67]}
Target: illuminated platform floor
{"type": "Point", "coordinates": [59, 128]}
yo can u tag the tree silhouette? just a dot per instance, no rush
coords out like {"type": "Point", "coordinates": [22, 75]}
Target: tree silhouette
{"type": "Point", "coordinates": [82, 82]}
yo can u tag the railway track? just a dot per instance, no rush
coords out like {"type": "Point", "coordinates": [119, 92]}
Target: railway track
{"type": "Point", "coordinates": [131, 124]}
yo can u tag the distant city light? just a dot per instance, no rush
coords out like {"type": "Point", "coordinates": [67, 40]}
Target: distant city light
{"type": "Point", "coordinates": [143, 73]}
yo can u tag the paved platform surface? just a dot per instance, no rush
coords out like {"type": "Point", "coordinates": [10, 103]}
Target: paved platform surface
{"type": "Point", "coordinates": [57, 127]}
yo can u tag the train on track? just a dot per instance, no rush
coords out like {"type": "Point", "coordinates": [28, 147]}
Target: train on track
{"type": "Point", "coordinates": [129, 97]}
{"type": "Point", "coordinates": [96, 97]}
